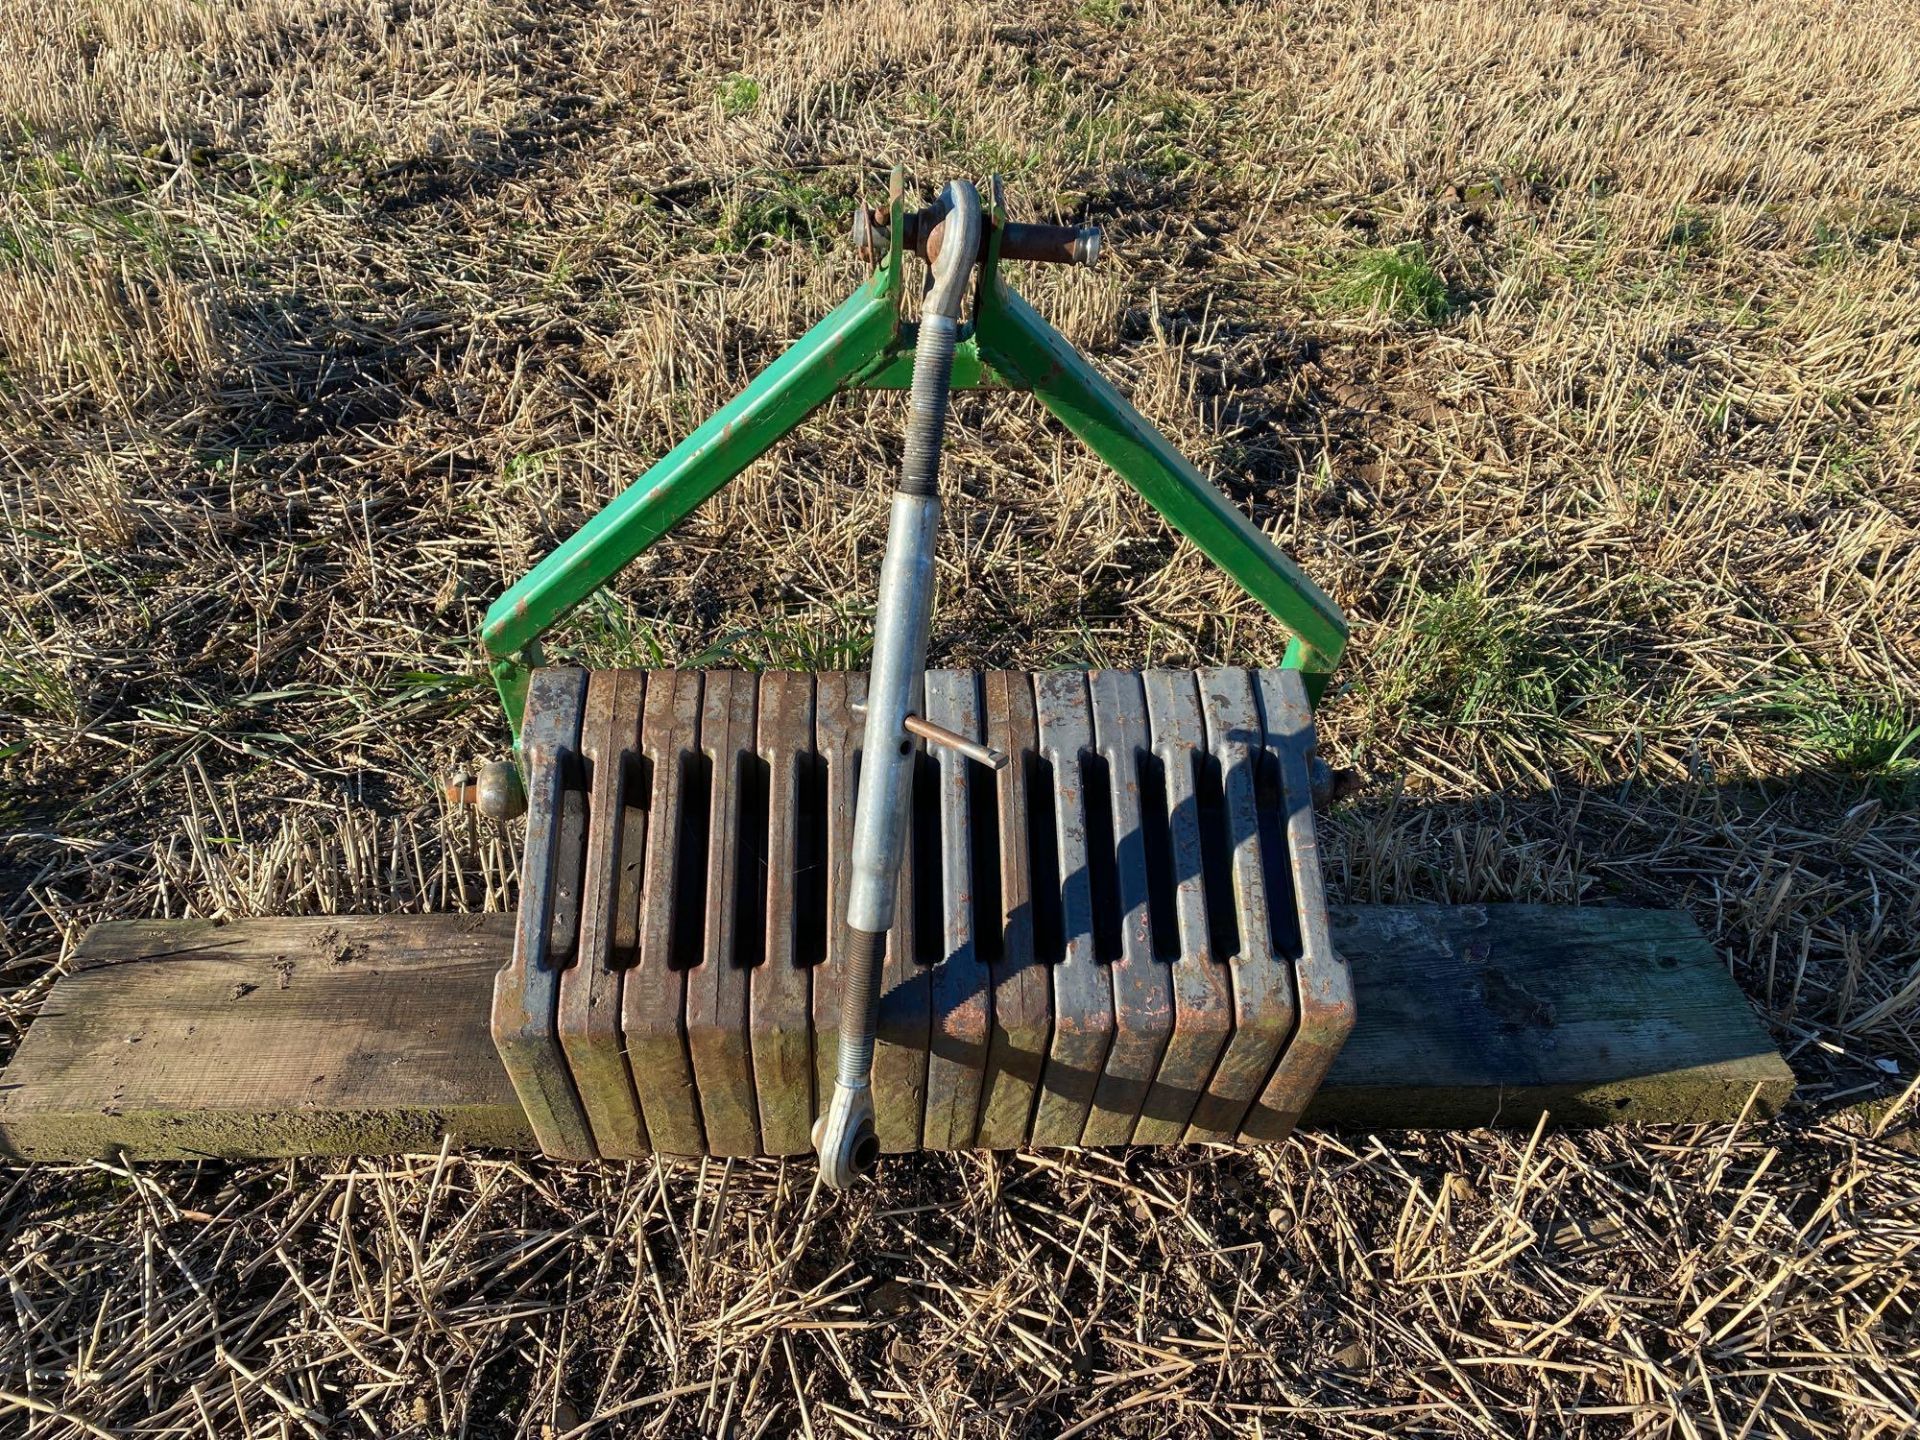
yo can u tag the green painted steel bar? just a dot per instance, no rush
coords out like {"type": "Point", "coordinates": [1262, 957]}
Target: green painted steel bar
{"type": "Point", "coordinates": [864, 345]}
{"type": "Point", "coordinates": [859, 337]}
{"type": "Point", "coordinates": [1034, 356]}
{"type": "Point", "coordinates": [1315, 669]}
{"type": "Point", "coordinates": [970, 372]}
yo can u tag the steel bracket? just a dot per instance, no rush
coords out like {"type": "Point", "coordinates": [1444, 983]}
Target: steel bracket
{"type": "Point", "coordinates": [866, 344]}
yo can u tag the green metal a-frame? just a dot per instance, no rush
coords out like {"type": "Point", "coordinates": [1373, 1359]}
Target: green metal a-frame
{"type": "Point", "coordinates": [865, 344]}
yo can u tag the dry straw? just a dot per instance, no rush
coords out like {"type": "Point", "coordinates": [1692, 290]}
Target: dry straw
{"type": "Point", "coordinates": [1576, 351]}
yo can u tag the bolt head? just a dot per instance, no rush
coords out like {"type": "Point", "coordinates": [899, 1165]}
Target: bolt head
{"type": "Point", "coordinates": [498, 793]}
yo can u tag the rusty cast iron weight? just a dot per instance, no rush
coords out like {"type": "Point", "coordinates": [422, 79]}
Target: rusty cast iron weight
{"type": "Point", "coordinates": [844, 1136]}
{"type": "Point", "coordinates": [985, 1079]}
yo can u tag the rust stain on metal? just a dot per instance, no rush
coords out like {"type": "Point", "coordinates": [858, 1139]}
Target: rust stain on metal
{"type": "Point", "coordinates": [1083, 1022]}
{"type": "Point", "coordinates": [1263, 1003]}
{"type": "Point", "coordinates": [717, 986]}
{"type": "Point", "coordinates": [1022, 1002]}
{"type": "Point", "coordinates": [653, 997]}
{"type": "Point", "coordinates": [1202, 990]}
{"type": "Point", "coordinates": [925, 230]}
{"type": "Point", "coordinates": [526, 992]}
{"type": "Point", "coordinates": [905, 1019]}
{"type": "Point", "coordinates": [961, 992]}
{"type": "Point", "coordinates": [778, 1013]}
{"type": "Point", "coordinates": [1323, 985]}
{"type": "Point", "coordinates": [834, 740]}
{"type": "Point", "coordinates": [589, 1013]}
{"type": "Point", "coordinates": [662, 993]}
{"type": "Point", "coordinates": [1142, 988]}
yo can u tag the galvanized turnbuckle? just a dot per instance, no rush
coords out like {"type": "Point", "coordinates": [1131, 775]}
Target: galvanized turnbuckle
{"type": "Point", "coordinates": [955, 239]}
{"type": "Point", "coordinates": [844, 1136]}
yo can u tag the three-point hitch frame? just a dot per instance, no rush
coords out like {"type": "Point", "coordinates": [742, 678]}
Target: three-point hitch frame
{"type": "Point", "coordinates": [865, 344]}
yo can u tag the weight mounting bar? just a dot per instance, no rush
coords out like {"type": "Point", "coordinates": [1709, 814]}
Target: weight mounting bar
{"type": "Point", "coordinates": [865, 344]}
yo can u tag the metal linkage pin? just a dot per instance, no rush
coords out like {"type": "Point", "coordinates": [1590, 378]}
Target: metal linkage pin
{"type": "Point", "coordinates": [496, 792]}
{"type": "Point", "coordinates": [939, 735]}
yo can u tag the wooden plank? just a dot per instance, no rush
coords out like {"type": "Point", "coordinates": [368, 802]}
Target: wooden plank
{"type": "Point", "coordinates": [368, 1034]}
{"type": "Point", "coordinates": [1490, 1014]}
{"type": "Point", "coordinates": [778, 1016]}
{"type": "Point", "coordinates": [1022, 1004]}
{"type": "Point", "coordinates": [733, 918]}
{"type": "Point", "coordinates": [330, 1036]}
{"type": "Point", "coordinates": [526, 995]}
{"type": "Point", "coordinates": [589, 1018]}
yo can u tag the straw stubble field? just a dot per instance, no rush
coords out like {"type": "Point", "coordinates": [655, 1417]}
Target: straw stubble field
{"type": "Point", "coordinates": [1575, 353]}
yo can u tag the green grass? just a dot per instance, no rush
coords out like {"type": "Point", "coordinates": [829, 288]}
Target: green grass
{"type": "Point", "coordinates": [785, 208]}
{"type": "Point", "coordinates": [609, 631]}
{"type": "Point", "coordinates": [739, 95]}
{"type": "Point", "coordinates": [1846, 468]}
{"type": "Point", "coordinates": [1470, 655]}
{"type": "Point", "coordinates": [969, 151]}
{"type": "Point", "coordinates": [1864, 734]}
{"type": "Point", "coordinates": [1154, 133]}
{"type": "Point", "coordinates": [29, 687]}
{"type": "Point", "coordinates": [1691, 234]}
{"type": "Point", "coordinates": [839, 641]}
{"type": "Point", "coordinates": [520, 471]}
{"type": "Point", "coordinates": [1399, 281]}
